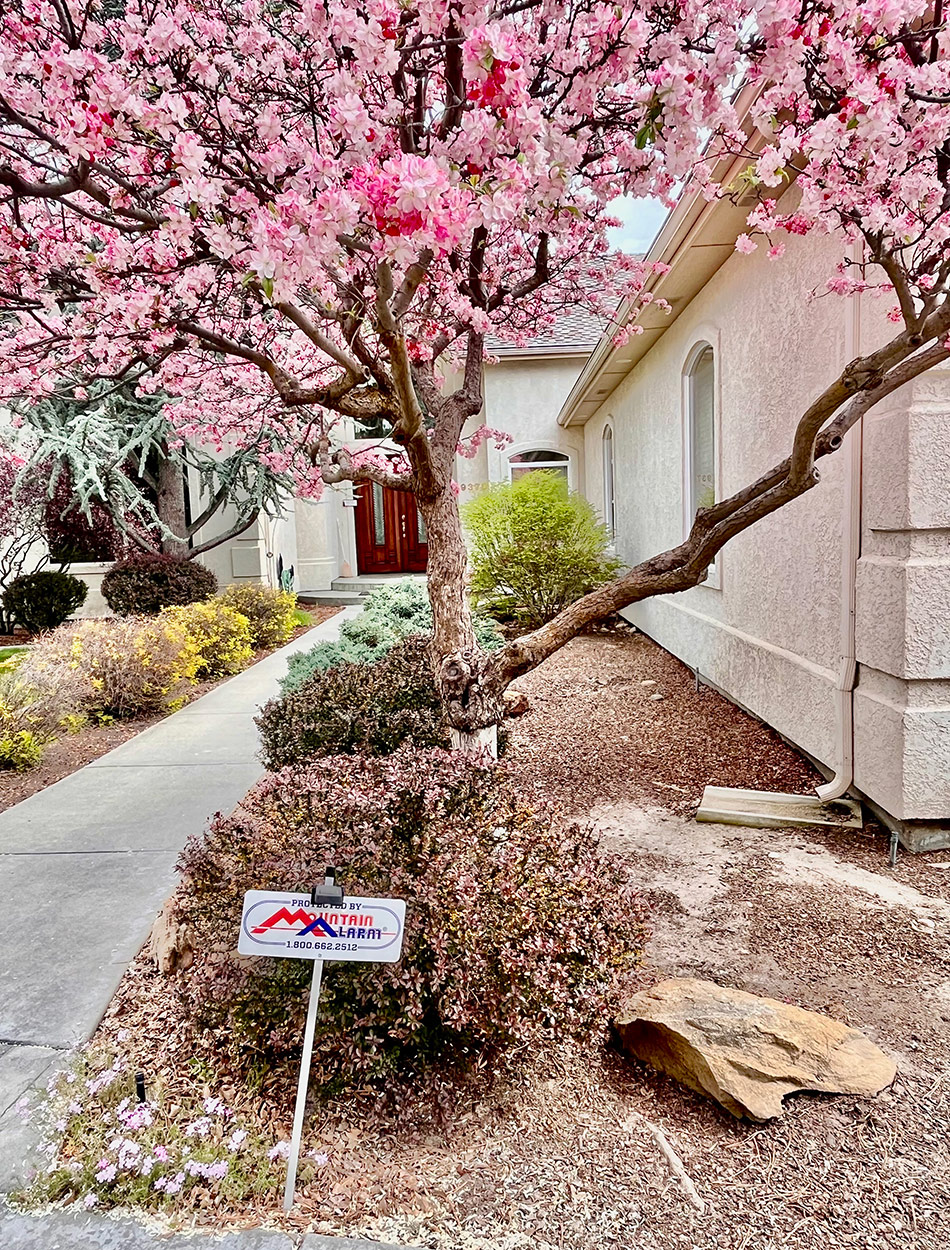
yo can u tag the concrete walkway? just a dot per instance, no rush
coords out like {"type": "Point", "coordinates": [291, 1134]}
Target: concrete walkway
{"type": "Point", "coordinates": [76, 1230]}
{"type": "Point", "coordinates": [86, 864]}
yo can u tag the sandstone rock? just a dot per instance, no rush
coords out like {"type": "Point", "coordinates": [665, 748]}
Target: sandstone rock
{"type": "Point", "coordinates": [169, 944]}
{"type": "Point", "coordinates": [745, 1051]}
{"type": "Point", "coordinates": [516, 703]}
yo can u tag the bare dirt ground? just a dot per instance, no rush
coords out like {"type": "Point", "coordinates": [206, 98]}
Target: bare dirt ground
{"type": "Point", "coordinates": [553, 1161]}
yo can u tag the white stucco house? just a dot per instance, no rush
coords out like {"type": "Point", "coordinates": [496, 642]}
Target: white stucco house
{"type": "Point", "coordinates": [370, 531]}
{"type": "Point", "coordinates": [830, 620]}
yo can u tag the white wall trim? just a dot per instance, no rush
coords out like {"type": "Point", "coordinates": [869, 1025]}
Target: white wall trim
{"type": "Point", "coordinates": [536, 444]}
{"type": "Point", "coordinates": [704, 335]}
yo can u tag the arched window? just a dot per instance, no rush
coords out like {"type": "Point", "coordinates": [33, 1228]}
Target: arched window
{"type": "Point", "coordinates": [523, 462]}
{"type": "Point", "coordinates": [701, 430]}
{"type": "Point", "coordinates": [607, 448]}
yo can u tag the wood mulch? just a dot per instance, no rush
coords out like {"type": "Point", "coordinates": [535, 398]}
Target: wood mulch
{"type": "Point", "coordinates": [553, 1159]}
{"type": "Point", "coordinates": [71, 752]}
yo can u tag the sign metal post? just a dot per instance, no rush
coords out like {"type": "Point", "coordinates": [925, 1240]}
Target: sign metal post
{"type": "Point", "coordinates": [321, 926]}
{"type": "Point", "coordinates": [303, 1083]}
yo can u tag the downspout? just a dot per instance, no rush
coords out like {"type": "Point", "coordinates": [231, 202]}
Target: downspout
{"type": "Point", "coordinates": [840, 783]}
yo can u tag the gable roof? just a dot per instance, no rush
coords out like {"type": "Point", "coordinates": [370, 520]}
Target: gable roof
{"type": "Point", "coordinates": [576, 332]}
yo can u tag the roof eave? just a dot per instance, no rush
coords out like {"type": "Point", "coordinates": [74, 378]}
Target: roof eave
{"type": "Point", "coordinates": [696, 239]}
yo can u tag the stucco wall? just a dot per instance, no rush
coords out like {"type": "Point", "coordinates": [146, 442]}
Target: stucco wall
{"type": "Point", "coordinates": [767, 628]}
{"type": "Point", "coordinates": [902, 702]}
{"type": "Point", "coordinates": [768, 634]}
{"type": "Point", "coordinates": [524, 396]}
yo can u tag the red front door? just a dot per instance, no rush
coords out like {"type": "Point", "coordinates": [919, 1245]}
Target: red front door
{"type": "Point", "coordinates": [390, 531]}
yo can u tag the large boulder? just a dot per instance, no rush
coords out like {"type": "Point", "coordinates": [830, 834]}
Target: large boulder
{"type": "Point", "coordinates": [745, 1051]}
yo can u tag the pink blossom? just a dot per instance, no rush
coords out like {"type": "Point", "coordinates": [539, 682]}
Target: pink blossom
{"type": "Point", "coordinates": [745, 244]}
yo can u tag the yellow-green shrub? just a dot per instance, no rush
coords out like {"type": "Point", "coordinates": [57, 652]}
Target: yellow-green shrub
{"type": "Point", "coordinates": [219, 635]}
{"type": "Point", "coordinates": [271, 614]}
{"type": "Point", "coordinates": [31, 711]}
{"type": "Point", "coordinates": [130, 666]}
{"type": "Point", "coordinates": [20, 750]}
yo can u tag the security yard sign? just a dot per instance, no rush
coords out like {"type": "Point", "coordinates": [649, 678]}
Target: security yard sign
{"type": "Point", "coordinates": [319, 926]}
{"type": "Point", "coordinates": [290, 926]}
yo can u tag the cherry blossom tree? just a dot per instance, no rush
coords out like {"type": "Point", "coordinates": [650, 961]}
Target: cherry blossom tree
{"type": "Point", "coordinates": [295, 214]}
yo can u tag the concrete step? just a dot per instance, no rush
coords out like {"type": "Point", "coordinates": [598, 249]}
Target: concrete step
{"type": "Point", "coordinates": [330, 598]}
{"type": "Point", "coordinates": [367, 583]}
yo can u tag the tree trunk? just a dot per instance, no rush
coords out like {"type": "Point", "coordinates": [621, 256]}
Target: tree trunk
{"type": "Point", "coordinates": [472, 698]}
{"type": "Point", "coordinates": [171, 506]}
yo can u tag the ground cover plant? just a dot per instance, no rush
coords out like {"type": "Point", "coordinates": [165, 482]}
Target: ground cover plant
{"type": "Point", "coordinates": [389, 614]}
{"type": "Point", "coordinates": [111, 1150]}
{"type": "Point", "coordinates": [534, 547]}
{"type": "Point", "coordinates": [520, 928]}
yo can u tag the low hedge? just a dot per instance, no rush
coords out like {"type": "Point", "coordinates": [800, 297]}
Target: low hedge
{"type": "Point", "coordinates": [519, 929]}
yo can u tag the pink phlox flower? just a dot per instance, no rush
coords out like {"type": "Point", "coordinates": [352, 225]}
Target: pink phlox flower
{"type": "Point", "coordinates": [320, 1158]}
{"type": "Point", "coordinates": [280, 1151]}
{"type": "Point", "coordinates": [198, 1128]}
{"type": "Point", "coordinates": [216, 1106]}
{"type": "Point", "coordinates": [237, 1139]}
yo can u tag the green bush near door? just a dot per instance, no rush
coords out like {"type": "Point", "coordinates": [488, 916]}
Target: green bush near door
{"type": "Point", "coordinates": [535, 546]}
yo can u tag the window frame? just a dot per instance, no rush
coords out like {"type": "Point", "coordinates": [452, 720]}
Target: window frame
{"type": "Point", "coordinates": [706, 340]}
{"type": "Point", "coordinates": [564, 460]}
{"type": "Point", "coordinates": [608, 461]}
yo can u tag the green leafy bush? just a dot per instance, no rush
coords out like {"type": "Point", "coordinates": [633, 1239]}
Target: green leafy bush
{"type": "Point", "coordinates": [271, 614]}
{"type": "Point", "coordinates": [39, 601]}
{"type": "Point", "coordinates": [144, 584]}
{"type": "Point", "coordinates": [219, 635]}
{"type": "Point", "coordinates": [20, 750]}
{"type": "Point", "coordinates": [389, 615]}
{"type": "Point", "coordinates": [535, 547]}
{"type": "Point", "coordinates": [519, 928]}
{"type": "Point", "coordinates": [372, 708]}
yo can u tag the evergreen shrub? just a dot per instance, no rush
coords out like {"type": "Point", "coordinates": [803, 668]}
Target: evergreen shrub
{"type": "Point", "coordinates": [372, 708]}
{"type": "Point", "coordinates": [519, 929]}
{"type": "Point", "coordinates": [143, 584]}
{"type": "Point", "coordinates": [389, 615]}
{"type": "Point", "coordinates": [535, 547]}
{"type": "Point", "coordinates": [40, 601]}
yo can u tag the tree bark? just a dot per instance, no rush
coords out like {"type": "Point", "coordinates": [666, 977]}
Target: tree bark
{"type": "Point", "coordinates": [170, 506]}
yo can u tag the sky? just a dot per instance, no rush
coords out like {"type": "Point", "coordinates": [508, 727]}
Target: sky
{"type": "Point", "coordinates": [641, 219]}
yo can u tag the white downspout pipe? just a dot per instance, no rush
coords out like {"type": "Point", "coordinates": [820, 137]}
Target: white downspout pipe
{"type": "Point", "coordinates": [839, 784]}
